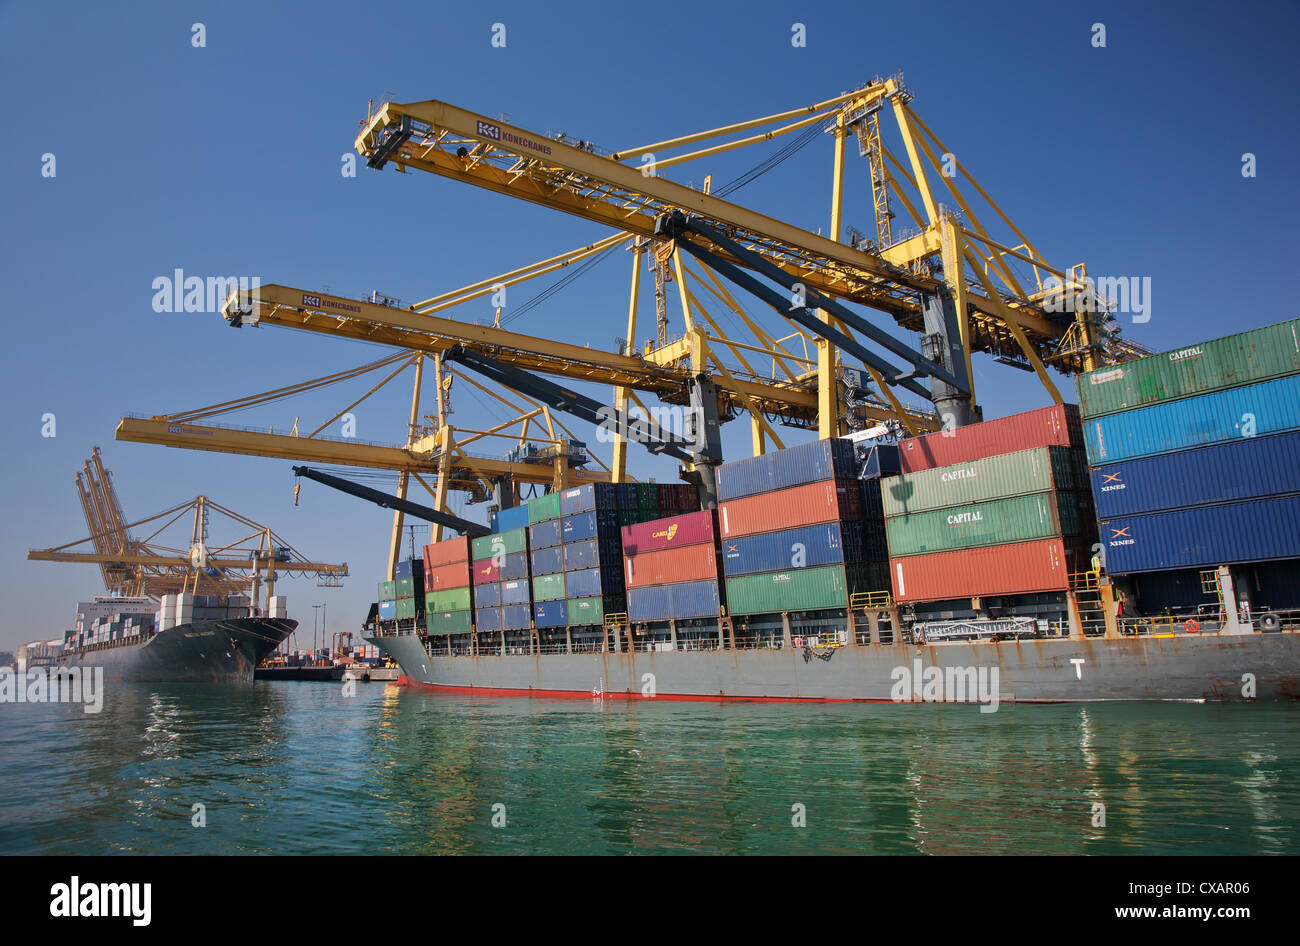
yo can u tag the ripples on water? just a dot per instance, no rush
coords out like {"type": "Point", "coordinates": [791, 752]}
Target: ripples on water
{"type": "Point", "coordinates": [285, 768]}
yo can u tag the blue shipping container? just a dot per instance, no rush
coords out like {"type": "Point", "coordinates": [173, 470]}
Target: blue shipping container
{"type": "Point", "coordinates": [487, 596]}
{"type": "Point", "coordinates": [594, 553]}
{"type": "Point", "coordinates": [679, 601]}
{"type": "Point", "coordinates": [551, 613]}
{"type": "Point", "coordinates": [516, 617]}
{"type": "Point", "coordinates": [516, 592]}
{"type": "Point", "coordinates": [880, 460]}
{"type": "Point", "coordinates": [515, 565]}
{"type": "Point", "coordinates": [807, 463]}
{"type": "Point", "coordinates": [1244, 469]}
{"type": "Point", "coordinates": [1219, 417]}
{"type": "Point", "coordinates": [803, 547]}
{"type": "Point", "coordinates": [1204, 536]}
{"type": "Point", "coordinates": [591, 582]}
{"type": "Point", "coordinates": [626, 495]}
{"type": "Point", "coordinates": [516, 517]}
{"type": "Point", "coordinates": [408, 569]}
{"type": "Point", "coordinates": [588, 498]}
{"type": "Point", "coordinates": [588, 525]}
{"type": "Point", "coordinates": [388, 610]}
{"type": "Point", "coordinates": [544, 535]}
{"type": "Point", "coordinates": [548, 561]}
{"type": "Point", "coordinates": [487, 619]}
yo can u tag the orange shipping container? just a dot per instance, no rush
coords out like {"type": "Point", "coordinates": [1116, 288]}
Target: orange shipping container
{"type": "Point", "coordinates": [807, 505]}
{"type": "Point", "coordinates": [445, 553]}
{"type": "Point", "coordinates": [1021, 568]}
{"type": "Point", "coordinates": [691, 563]}
{"type": "Point", "coordinates": [455, 575]}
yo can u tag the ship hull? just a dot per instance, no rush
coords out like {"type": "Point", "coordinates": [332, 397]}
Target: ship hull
{"type": "Point", "coordinates": [1183, 667]}
{"type": "Point", "coordinates": [221, 651]}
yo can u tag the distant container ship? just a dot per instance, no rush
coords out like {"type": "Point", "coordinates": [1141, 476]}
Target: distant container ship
{"type": "Point", "coordinates": [1144, 546]}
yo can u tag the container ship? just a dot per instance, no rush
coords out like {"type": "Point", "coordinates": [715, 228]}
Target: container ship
{"type": "Point", "coordinates": [1144, 545]}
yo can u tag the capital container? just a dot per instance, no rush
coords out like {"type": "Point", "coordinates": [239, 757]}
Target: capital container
{"type": "Point", "coordinates": [544, 535]}
{"type": "Point", "coordinates": [1245, 358]}
{"type": "Point", "coordinates": [787, 508]}
{"type": "Point", "coordinates": [1035, 567]}
{"type": "Point", "coordinates": [801, 547]}
{"type": "Point", "coordinates": [453, 599]}
{"type": "Point", "coordinates": [485, 572]}
{"type": "Point", "coordinates": [515, 592]}
{"type": "Point", "coordinates": [446, 552]}
{"type": "Point", "coordinates": [504, 543]}
{"type": "Point", "coordinates": [487, 619]}
{"type": "Point", "coordinates": [795, 589]}
{"type": "Point", "coordinates": [515, 565]}
{"type": "Point", "coordinates": [516, 617]}
{"type": "Point", "coordinates": [488, 595]}
{"type": "Point", "coordinates": [511, 518]}
{"type": "Point", "coordinates": [692, 563]}
{"type": "Point", "coordinates": [678, 531]}
{"type": "Point", "coordinates": [551, 613]}
{"type": "Point", "coordinates": [452, 575]}
{"type": "Point", "coordinates": [806, 463]}
{"type": "Point", "coordinates": [682, 601]}
{"type": "Point", "coordinates": [588, 498]}
{"type": "Point", "coordinates": [587, 582]}
{"type": "Point", "coordinates": [449, 622]}
{"type": "Point", "coordinates": [1201, 420]}
{"type": "Point", "coordinates": [1010, 474]}
{"type": "Point", "coordinates": [591, 610]}
{"type": "Point", "coordinates": [1256, 530]}
{"type": "Point", "coordinates": [971, 525]}
{"type": "Point", "coordinates": [548, 587]}
{"type": "Point", "coordinates": [1055, 426]}
{"type": "Point", "coordinates": [1253, 467]}
{"type": "Point", "coordinates": [547, 561]}
{"type": "Point", "coordinates": [543, 508]}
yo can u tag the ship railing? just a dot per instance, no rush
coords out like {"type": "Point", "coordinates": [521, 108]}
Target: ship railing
{"type": "Point", "coordinates": [1085, 581]}
{"type": "Point", "coordinates": [871, 600]}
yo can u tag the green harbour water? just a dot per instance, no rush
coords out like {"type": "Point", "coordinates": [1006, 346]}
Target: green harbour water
{"type": "Point", "coordinates": [300, 768]}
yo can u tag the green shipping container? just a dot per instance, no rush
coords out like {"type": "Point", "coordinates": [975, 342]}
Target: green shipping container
{"type": "Point", "coordinates": [449, 622]}
{"type": "Point", "coordinates": [516, 540]}
{"type": "Point", "coordinates": [1039, 470]}
{"type": "Point", "coordinates": [548, 587]}
{"type": "Point", "coordinates": [975, 525]}
{"type": "Point", "coordinates": [543, 508]}
{"type": "Point", "coordinates": [591, 611]}
{"type": "Point", "coordinates": [628, 517]}
{"type": "Point", "coordinates": [647, 496]}
{"type": "Point", "coordinates": [388, 591]}
{"type": "Point", "coordinates": [405, 588]}
{"type": "Point", "coordinates": [450, 599]}
{"type": "Point", "coordinates": [800, 589]}
{"type": "Point", "coordinates": [405, 608]}
{"type": "Point", "coordinates": [1257, 355]}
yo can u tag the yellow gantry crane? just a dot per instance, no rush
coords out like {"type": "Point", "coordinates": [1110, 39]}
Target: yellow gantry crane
{"type": "Point", "coordinates": [964, 286]}
{"type": "Point", "coordinates": [145, 567]}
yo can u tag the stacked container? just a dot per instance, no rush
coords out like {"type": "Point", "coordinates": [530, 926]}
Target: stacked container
{"type": "Point", "coordinates": [671, 568]}
{"type": "Point", "coordinates": [1195, 453]}
{"type": "Point", "coordinates": [388, 601]}
{"type": "Point", "coordinates": [499, 574]}
{"type": "Point", "coordinates": [408, 579]}
{"type": "Point", "coordinates": [592, 583]}
{"type": "Point", "coordinates": [791, 524]}
{"type": "Point", "coordinates": [448, 598]}
{"type": "Point", "coordinates": [995, 508]}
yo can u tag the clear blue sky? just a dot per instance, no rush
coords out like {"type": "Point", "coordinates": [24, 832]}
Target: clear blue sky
{"type": "Point", "coordinates": [226, 160]}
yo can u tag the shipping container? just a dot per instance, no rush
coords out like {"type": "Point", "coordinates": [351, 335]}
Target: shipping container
{"type": "Point", "coordinates": [548, 587]}
{"type": "Point", "coordinates": [588, 498]}
{"type": "Point", "coordinates": [547, 561]}
{"type": "Point", "coordinates": [487, 619]}
{"type": "Point", "coordinates": [810, 462]}
{"type": "Point", "coordinates": [588, 611]}
{"type": "Point", "coordinates": [1011, 474]}
{"type": "Point", "coordinates": [1022, 568]}
{"type": "Point", "coordinates": [515, 592]}
{"type": "Point", "coordinates": [409, 587]}
{"type": "Point", "coordinates": [388, 591]}
{"type": "Point", "coordinates": [589, 525]}
{"type": "Point", "coordinates": [551, 613]}
{"type": "Point", "coordinates": [796, 589]}
{"type": "Point", "coordinates": [439, 623]}
{"type": "Point", "coordinates": [682, 601]}
{"type": "Point", "coordinates": [454, 599]}
{"type": "Point", "coordinates": [1243, 469]}
{"type": "Point", "coordinates": [692, 563]}
{"type": "Point", "coordinates": [798, 506]}
{"type": "Point", "coordinates": [453, 575]}
{"type": "Point", "coordinates": [511, 518]}
{"type": "Point", "coordinates": [405, 608]}
{"type": "Point", "coordinates": [1256, 530]}
{"type": "Point", "coordinates": [544, 535]}
{"type": "Point", "coordinates": [1201, 420]}
{"type": "Point", "coordinates": [407, 568]}
{"type": "Point", "coordinates": [543, 508]}
{"type": "Point", "coordinates": [801, 547]}
{"type": "Point", "coordinates": [881, 459]}
{"type": "Point", "coordinates": [973, 525]}
{"type": "Point", "coordinates": [692, 528]}
{"type": "Point", "coordinates": [626, 495]}
{"type": "Point", "coordinates": [647, 496]}
{"type": "Point", "coordinates": [505, 543]}
{"type": "Point", "coordinates": [593, 553]}
{"type": "Point", "coordinates": [1248, 357]}
{"type": "Point", "coordinates": [516, 617]}
{"type": "Point", "coordinates": [587, 582]}
{"type": "Point", "coordinates": [1055, 426]}
{"type": "Point", "coordinates": [488, 595]}
{"type": "Point", "coordinates": [485, 572]}
{"type": "Point", "coordinates": [514, 565]}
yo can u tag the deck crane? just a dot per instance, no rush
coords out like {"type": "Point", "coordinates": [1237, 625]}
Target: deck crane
{"type": "Point", "coordinates": [146, 568]}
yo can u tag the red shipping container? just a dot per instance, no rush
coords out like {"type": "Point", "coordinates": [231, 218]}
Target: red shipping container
{"type": "Point", "coordinates": [692, 563]}
{"type": "Point", "coordinates": [1055, 426]}
{"type": "Point", "coordinates": [673, 532]}
{"type": "Point", "coordinates": [1021, 568]}
{"type": "Point", "coordinates": [486, 573]}
{"type": "Point", "coordinates": [445, 553]}
{"type": "Point", "coordinates": [455, 575]}
{"type": "Point", "coordinates": [788, 508]}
